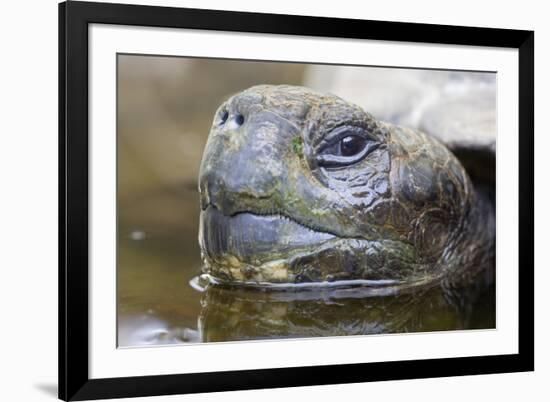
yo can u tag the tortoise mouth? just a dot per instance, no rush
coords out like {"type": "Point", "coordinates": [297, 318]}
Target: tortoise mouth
{"type": "Point", "coordinates": [255, 238]}
{"type": "Point", "coordinates": [250, 248]}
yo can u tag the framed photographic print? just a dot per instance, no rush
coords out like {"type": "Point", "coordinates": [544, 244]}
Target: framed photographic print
{"type": "Point", "coordinates": [259, 200]}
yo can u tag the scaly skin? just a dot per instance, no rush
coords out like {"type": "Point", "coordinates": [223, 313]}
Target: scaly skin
{"type": "Point", "coordinates": [280, 205]}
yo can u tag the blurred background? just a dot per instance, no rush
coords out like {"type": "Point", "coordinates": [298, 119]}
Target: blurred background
{"type": "Point", "coordinates": [165, 109]}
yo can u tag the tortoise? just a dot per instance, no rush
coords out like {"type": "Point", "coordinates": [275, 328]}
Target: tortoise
{"type": "Point", "coordinates": [302, 188]}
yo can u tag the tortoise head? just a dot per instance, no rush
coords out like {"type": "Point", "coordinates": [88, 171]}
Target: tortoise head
{"type": "Point", "coordinates": [298, 186]}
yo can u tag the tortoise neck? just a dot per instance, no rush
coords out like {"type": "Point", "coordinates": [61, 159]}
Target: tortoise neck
{"type": "Point", "coordinates": [473, 251]}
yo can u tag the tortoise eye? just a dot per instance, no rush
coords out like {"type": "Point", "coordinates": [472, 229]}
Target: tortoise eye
{"type": "Point", "coordinates": [352, 145]}
{"type": "Point", "coordinates": [345, 146]}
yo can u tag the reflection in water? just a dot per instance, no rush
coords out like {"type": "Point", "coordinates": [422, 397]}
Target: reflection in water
{"type": "Point", "coordinates": [233, 314]}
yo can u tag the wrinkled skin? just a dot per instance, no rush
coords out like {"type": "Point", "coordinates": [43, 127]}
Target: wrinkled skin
{"type": "Point", "coordinates": [283, 202]}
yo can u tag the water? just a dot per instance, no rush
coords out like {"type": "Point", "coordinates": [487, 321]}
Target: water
{"type": "Point", "coordinates": [157, 304]}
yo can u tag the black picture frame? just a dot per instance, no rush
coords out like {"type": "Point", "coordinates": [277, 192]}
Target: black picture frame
{"type": "Point", "coordinates": [74, 18]}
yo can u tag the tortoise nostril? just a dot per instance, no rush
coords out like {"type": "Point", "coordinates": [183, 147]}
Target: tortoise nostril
{"type": "Point", "coordinates": [239, 119]}
{"type": "Point", "coordinates": [224, 117]}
